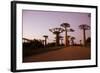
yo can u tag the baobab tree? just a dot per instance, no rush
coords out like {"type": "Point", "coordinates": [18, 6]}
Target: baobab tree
{"type": "Point", "coordinates": [45, 36]}
{"type": "Point", "coordinates": [84, 27]}
{"type": "Point", "coordinates": [72, 40]}
{"type": "Point", "coordinates": [68, 39]}
{"type": "Point", "coordinates": [61, 39]}
{"type": "Point", "coordinates": [56, 31]}
{"type": "Point", "coordinates": [66, 26]}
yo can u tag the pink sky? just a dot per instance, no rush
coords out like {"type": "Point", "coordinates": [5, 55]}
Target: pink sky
{"type": "Point", "coordinates": [37, 23]}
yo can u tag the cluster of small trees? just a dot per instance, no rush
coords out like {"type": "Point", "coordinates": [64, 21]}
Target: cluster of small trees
{"type": "Point", "coordinates": [33, 44]}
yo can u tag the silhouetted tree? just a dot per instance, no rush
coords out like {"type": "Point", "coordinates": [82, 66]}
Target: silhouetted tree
{"type": "Point", "coordinates": [72, 39]}
{"type": "Point", "coordinates": [36, 44]}
{"type": "Point", "coordinates": [45, 36]}
{"type": "Point", "coordinates": [68, 39]}
{"type": "Point", "coordinates": [61, 39]}
{"type": "Point", "coordinates": [56, 31]}
{"type": "Point", "coordinates": [52, 44]}
{"type": "Point", "coordinates": [66, 26]}
{"type": "Point", "coordinates": [84, 27]}
{"type": "Point", "coordinates": [88, 41]}
{"type": "Point", "coordinates": [33, 44]}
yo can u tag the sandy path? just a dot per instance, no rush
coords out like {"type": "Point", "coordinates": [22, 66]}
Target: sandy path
{"type": "Point", "coordinates": [69, 53]}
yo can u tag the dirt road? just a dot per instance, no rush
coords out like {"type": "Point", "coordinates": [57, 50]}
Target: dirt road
{"type": "Point", "coordinates": [68, 53]}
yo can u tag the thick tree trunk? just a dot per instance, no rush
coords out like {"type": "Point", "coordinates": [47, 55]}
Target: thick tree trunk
{"type": "Point", "coordinates": [84, 37]}
{"type": "Point", "coordinates": [66, 38]}
{"type": "Point", "coordinates": [57, 39]}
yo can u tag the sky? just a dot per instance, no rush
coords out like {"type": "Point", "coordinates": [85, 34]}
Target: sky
{"type": "Point", "coordinates": [37, 23]}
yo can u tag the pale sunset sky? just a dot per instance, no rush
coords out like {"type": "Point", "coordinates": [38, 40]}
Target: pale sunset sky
{"type": "Point", "coordinates": [37, 23]}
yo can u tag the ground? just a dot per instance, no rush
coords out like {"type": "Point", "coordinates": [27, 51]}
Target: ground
{"type": "Point", "coordinates": [67, 53]}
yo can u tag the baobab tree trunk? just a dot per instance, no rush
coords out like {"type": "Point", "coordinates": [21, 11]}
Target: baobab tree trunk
{"type": "Point", "coordinates": [84, 37]}
{"type": "Point", "coordinates": [61, 41]}
{"type": "Point", "coordinates": [45, 41]}
{"type": "Point", "coordinates": [57, 39]}
{"type": "Point", "coordinates": [72, 42]}
{"type": "Point", "coordinates": [66, 38]}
